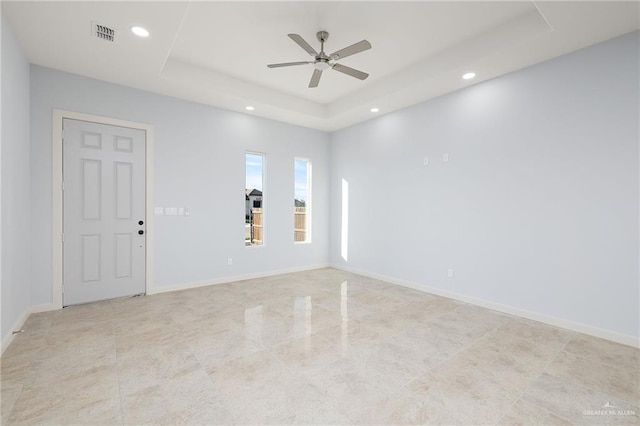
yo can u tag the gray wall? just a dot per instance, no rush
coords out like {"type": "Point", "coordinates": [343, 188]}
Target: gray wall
{"type": "Point", "coordinates": [199, 164]}
{"type": "Point", "coordinates": [537, 208]}
{"type": "Point", "coordinates": [15, 230]}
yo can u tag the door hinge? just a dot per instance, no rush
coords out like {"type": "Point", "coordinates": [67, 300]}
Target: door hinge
{"type": "Point", "coordinates": [62, 185]}
{"type": "Point", "coordinates": [62, 237]}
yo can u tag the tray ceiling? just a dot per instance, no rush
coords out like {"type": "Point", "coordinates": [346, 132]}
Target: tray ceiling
{"type": "Point", "coordinates": [216, 52]}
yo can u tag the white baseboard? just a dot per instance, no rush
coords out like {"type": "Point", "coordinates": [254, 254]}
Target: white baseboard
{"type": "Point", "coordinates": [45, 307]}
{"type": "Point", "coordinates": [613, 336]}
{"type": "Point", "coordinates": [224, 280]}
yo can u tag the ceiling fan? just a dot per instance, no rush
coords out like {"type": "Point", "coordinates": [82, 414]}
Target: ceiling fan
{"type": "Point", "coordinates": [323, 61]}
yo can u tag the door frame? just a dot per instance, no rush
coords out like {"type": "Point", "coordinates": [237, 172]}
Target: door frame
{"type": "Point", "coordinates": [57, 203]}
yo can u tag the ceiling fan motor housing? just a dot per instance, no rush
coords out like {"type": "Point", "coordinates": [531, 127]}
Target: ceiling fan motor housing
{"type": "Point", "coordinates": [322, 64]}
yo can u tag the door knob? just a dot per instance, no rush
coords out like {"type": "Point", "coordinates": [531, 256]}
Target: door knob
{"type": "Point", "coordinates": [141, 232]}
{"type": "Point", "coordinates": [140, 222]}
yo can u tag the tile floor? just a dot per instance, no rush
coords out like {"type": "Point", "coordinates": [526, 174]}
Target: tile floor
{"type": "Point", "coordinates": [318, 347]}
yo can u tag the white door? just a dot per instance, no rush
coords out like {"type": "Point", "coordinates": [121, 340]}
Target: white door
{"type": "Point", "coordinates": [104, 211]}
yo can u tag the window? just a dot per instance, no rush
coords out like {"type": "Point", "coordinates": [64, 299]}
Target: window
{"type": "Point", "coordinates": [254, 197]}
{"type": "Point", "coordinates": [302, 201]}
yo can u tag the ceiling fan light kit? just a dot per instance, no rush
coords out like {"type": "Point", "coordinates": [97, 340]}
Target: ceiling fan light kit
{"type": "Point", "coordinates": [323, 62]}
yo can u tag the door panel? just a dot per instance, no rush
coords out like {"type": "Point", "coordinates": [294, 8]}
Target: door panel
{"type": "Point", "coordinates": [91, 181]}
{"type": "Point", "coordinates": [91, 258]}
{"type": "Point", "coordinates": [124, 189]}
{"type": "Point", "coordinates": [123, 255]}
{"type": "Point", "coordinates": [104, 198]}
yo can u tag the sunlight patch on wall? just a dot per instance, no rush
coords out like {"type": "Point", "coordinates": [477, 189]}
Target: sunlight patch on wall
{"type": "Point", "coordinates": [344, 248]}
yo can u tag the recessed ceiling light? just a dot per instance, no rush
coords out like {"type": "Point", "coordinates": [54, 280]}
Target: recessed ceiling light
{"type": "Point", "coordinates": [374, 109]}
{"type": "Point", "coordinates": [469, 75]}
{"type": "Point", "coordinates": [139, 31]}
{"type": "Point", "coordinates": [249, 108]}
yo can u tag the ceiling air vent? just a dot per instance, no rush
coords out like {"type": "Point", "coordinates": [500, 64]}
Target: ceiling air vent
{"type": "Point", "coordinates": [103, 32]}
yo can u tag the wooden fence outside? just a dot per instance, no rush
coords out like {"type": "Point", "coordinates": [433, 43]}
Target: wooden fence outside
{"type": "Point", "coordinates": [299, 228]}
{"type": "Point", "coordinates": [256, 227]}
{"type": "Point", "coordinates": [300, 224]}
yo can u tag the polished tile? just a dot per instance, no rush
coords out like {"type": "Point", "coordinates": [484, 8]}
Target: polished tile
{"type": "Point", "coordinates": [460, 395]}
{"type": "Point", "coordinates": [148, 367]}
{"type": "Point", "coordinates": [620, 383]}
{"type": "Point", "coordinates": [605, 352]}
{"type": "Point", "coordinates": [349, 386]}
{"type": "Point", "coordinates": [375, 301]}
{"type": "Point", "coordinates": [468, 323]}
{"type": "Point", "coordinates": [8, 398]}
{"type": "Point", "coordinates": [90, 396]}
{"type": "Point", "coordinates": [578, 404]}
{"type": "Point", "coordinates": [524, 413]}
{"type": "Point", "coordinates": [211, 349]}
{"type": "Point", "coordinates": [309, 351]}
{"type": "Point", "coordinates": [187, 398]}
{"type": "Point", "coordinates": [352, 336]}
{"type": "Point", "coordinates": [255, 369]}
{"type": "Point", "coordinates": [311, 401]}
{"type": "Point", "coordinates": [512, 359]}
{"type": "Point", "coordinates": [537, 333]}
{"type": "Point", "coordinates": [69, 362]}
{"type": "Point", "coordinates": [425, 309]}
{"type": "Point", "coordinates": [430, 345]}
{"type": "Point", "coordinates": [314, 347]}
{"type": "Point", "coordinates": [15, 371]}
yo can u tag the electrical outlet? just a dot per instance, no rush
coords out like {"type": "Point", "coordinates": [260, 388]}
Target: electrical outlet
{"type": "Point", "coordinates": [426, 161]}
{"type": "Point", "coordinates": [229, 261]}
{"type": "Point", "coordinates": [445, 158]}
{"type": "Point", "coordinates": [450, 273]}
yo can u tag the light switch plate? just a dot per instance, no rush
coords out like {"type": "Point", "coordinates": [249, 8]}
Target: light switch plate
{"type": "Point", "coordinates": [158, 211]}
{"type": "Point", "coordinates": [171, 211]}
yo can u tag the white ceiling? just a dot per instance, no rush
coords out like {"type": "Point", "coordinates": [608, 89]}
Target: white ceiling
{"type": "Point", "coordinates": [216, 52]}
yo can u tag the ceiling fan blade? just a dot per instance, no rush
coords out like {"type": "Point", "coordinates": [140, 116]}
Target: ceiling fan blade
{"type": "Point", "coordinates": [350, 71]}
{"type": "Point", "coordinates": [288, 64]}
{"type": "Point", "coordinates": [315, 78]}
{"type": "Point", "coordinates": [300, 41]}
{"type": "Point", "coordinates": [351, 50]}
